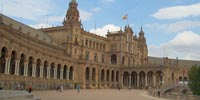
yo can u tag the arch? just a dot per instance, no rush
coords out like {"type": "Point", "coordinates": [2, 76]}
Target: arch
{"type": "Point", "coordinates": [38, 64]}
{"type": "Point", "coordinates": [134, 79]}
{"type": "Point", "coordinates": [150, 79]}
{"type": "Point", "coordinates": [12, 62]}
{"type": "Point", "coordinates": [113, 59]}
{"type": "Point", "coordinates": [71, 73]}
{"type": "Point", "coordinates": [117, 76]}
{"type": "Point", "coordinates": [4, 52]}
{"type": "Point", "coordinates": [112, 75]}
{"type": "Point", "coordinates": [126, 79]}
{"type": "Point", "coordinates": [159, 78]}
{"type": "Point", "coordinates": [65, 72]}
{"type": "Point", "coordinates": [45, 69]}
{"type": "Point", "coordinates": [173, 78]}
{"type": "Point", "coordinates": [58, 71]}
{"type": "Point", "coordinates": [21, 64]}
{"type": "Point", "coordinates": [102, 75]}
{"type": "Point", "coordinates": [142, 79]}
{"type": "Point", "coordinates": [93, 74]}
{"type": "Point", "coordinates": [52, 70]}
{"type": "Point", "coordinates": [108, 75]}
{"type": "Point", "coordinates": [87, 74]}
{"type": "Point", "coordinates": [30, 66]}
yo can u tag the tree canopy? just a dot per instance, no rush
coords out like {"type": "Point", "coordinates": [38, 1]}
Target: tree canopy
{"type": "Point", "coordinates": [194, 78]}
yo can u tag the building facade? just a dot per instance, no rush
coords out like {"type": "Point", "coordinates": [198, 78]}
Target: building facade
{"type": "Point", "coordinates": [68, 55]}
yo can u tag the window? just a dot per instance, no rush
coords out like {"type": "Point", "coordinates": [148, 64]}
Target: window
{"type": "Point", "coordinates": [113, 59]}
{"type": "Point", "coordinates": [95, 57]}
{"type": "Point", "coordinates": [87, 55]}
{"type": "Point", "coordinates": [102, 58]}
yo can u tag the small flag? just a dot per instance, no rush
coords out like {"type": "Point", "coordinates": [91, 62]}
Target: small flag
{"type": "Point", "coordinates": [125, 17]}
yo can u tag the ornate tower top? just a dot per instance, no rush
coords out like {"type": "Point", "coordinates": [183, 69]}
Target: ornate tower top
{"type": "Point", "coordinates": [72, 16]}
{"type": "Point", "coordinates": [141, 32]}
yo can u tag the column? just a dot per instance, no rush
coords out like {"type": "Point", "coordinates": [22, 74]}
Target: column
{"type": "Point", "coordinates": [48, 72]}
{"type": "Point", "coordinates": [41, 71]}
{"type": "Point", "coordinates": [25, 69]}
{"type": "Point", "coordinates": [33, 70]}
{"type": "Point", "coordinates": [61, 74]}
{"type": "Point", "coordinates": [55, 73]}
{"type": "Point", "coordinates": [17, 67]}
{"type": "Point", "coordinates": [67, 74]}
{"type": "Point", "coordinates": [73, 75]}
{"type": "Point", "coordinates": [138, 80]}
{"type": "Point", "coordinates": [122, 81]}
{"type": "Point", "coordinates": [154, 80]}
{"type": "Point", "coordinates": [7, 66]}
{"type": "Point", "coordinates": [129, 81]}
{"type": "Point", "coordinates": [146, 81]}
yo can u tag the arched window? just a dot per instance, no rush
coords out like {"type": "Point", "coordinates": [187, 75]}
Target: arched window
{"type": "Point", "coordinates": [113, 59]}
{"type": "Point", "coordinates": [87, 74]}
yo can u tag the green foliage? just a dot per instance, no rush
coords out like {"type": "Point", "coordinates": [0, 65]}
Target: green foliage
{"type": "Point", "coordinates": [194, 78]}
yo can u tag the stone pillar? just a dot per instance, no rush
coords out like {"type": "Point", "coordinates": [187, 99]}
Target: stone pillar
{"type": "Point", "coordinates": [25, 69]}
{"type": "Point", "coordinates": [154, 80]}
{"type": "Point", "coordinates": [130, 81]}
{"type": "Point", "coordinates": [146, 81]}
{"type": "Point", "coordinates": [7, 66]}
{"type": "Point", "coordinates": [61, 74]}
{"type": "Point", "coordinates": [17, 67]}
{"type": "Point", "coordinates": [122, 80]}
{"type": "Point", "coordinates": [41, 71]}
{"type": "Point", "coordinates": [33, 70]}
{"type": "Point", "coordinates": [67, 74]}
{"type": "Point", "coordinates": [138, 80]}
{"type": "Point", "coordinates": [48, 72]}
{"type": "Point", "coordinates": [55, 73]}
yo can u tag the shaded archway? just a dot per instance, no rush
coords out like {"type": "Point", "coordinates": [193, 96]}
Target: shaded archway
{"type": "Point", "coordinates": [112, 75]}
{"type": "Point", "coordinates": [173, 78]}
{"type": "Point", "coordinates": [21, 64]}
{"type": "Point", "coordinates": [52, 70]}
{"type": "Point", "coordinates": [142, 79]}
{"type": "Point", "coordinates": [58, 71]}
{"type": "Point", "coordinates": [126, 79]}
{"type": "Point", "coordinates": [12, 63]}
{"type": "Point", "coordinates": [150, 79]}
{"type": "Point", "coordinates": [117, 76]}
{"type": "Point", "coordinates": [134, 79]}
{"type": "Point", "coordinates": [102, 75]}
{"type": "Point", "coordinates": [159, 78]}
{"type": "Point", "coordinates": [30, 66]}
{"type": "Point", "coordinates": [93, 74]}
{"type": "Point", "coordinates": [87, 74]}
{"type": "Point", "coordinates": [107, 75]}
{"type": "Point", "coordinates": [45, 69]}
{"type": "Point", "coordinates": [3, 60]}
{"type": "Point", "coordinates": [65, 72]}
{"type": "Point", "coordinates": [38, 64]}
{"type": "Point", "coordinates": [71, 71]}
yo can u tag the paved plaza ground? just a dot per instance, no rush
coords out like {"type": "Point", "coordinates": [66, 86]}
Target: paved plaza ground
{"type": "Point", "coordinates": [101, 94]}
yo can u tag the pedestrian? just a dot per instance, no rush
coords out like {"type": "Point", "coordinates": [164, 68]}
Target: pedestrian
{"type": "Point", "coordinates": [61, 88]}
{"type": "Point", "coordinates": [119, 88]}
{"type": "Point", "coordinates": [30, 88]}
{"type": "Point", "coordinates": [78, 88]}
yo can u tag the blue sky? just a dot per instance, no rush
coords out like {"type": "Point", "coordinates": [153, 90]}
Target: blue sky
{"type": "Point", "coordinates": [172, 27]}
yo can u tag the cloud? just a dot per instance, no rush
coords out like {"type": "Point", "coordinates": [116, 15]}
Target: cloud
{"type": "Point", "coordinates": [103, 31]}
{"type": "Point", "coordinates": [85, 15]}
{"type": "Point", "coordinates": [178, 12]}
{"type": "Point", "coordinates": [107, 1]}
{"type": "Point", "coordinates": [174, 27]}
{"type": "Point", "coordinates": [185, 45]}
{"type": "Point", "coordinates": [95, 10]}
{"type": "Point", "coordinates": [41, 25]}
{"type": "Point", "coordinates": [28, 9]}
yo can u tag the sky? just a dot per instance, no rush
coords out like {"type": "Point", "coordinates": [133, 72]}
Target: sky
{"type": "Point", "coordinates": [172, 27]}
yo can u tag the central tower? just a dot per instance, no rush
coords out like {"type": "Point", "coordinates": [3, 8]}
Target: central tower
{"type": "Point", "coordinates": [72, 16]}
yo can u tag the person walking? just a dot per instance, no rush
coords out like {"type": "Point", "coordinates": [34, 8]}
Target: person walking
{"type": "Point", "coordinates": [30, 88]}
{"type": "Point", "coordinates": [61, 88]}
{"type": "Point", "coordinates": [78, 88]}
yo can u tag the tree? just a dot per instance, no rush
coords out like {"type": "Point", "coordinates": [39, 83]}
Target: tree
{"type": "Point", "coordinates": [194, 79]}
